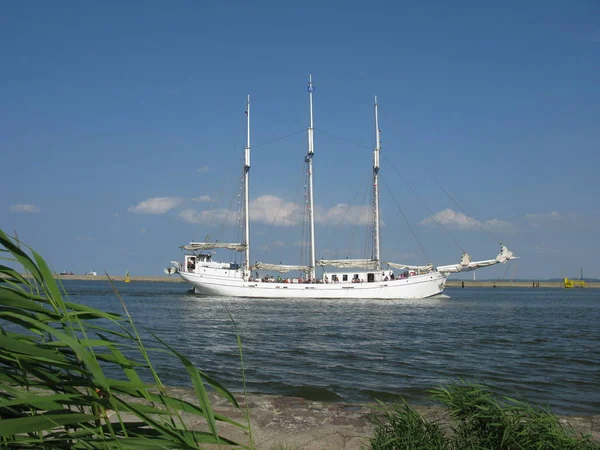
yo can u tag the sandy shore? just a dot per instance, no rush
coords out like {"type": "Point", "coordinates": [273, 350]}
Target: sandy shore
{"type": "Point", "coordinates": [296, 423]}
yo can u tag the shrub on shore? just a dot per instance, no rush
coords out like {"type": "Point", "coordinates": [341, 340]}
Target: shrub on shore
{"type": "Point", "coordinates": [479, 420]}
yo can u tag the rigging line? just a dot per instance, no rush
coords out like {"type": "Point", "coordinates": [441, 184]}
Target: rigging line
{"type": "Point", "coordinates": [415, 193]}
{"type": "Point", "coordinates": [302, 181]}
{"type": "Point", "coordinates": [343, 139]}
{"type": "Point", "coordinates": [232, 217]}
{"type": "Point", "coordinates": [290, 219]}
{"type": "Point", "coordinates": [237, 225]}
{"type": "Point", "coordinates": [241, 217]}
{"type": "Point", "coordinates": [354, 226]}
{"type": "Point", "coordinates": [339, 222]}
{"type": "Point", "coordinates": [373, 224]}
{"type": "Point", "coordinates": [279, 138]}
{"type": "Point", "coordinates": [303, 260]}
{"type": "Point", "coordinates": [367, 229]}
{"type": "Point", "coordinates": [368, 211]}
{"type": "Point", "coordinates": [504, 275]}
{"type": "Point", "coordinates": [405, 219]}
{"type": "Point", "coordinates": [479, 224]}
{"type": "Point", "coordinates": [370, 229]}
{"type": "Point", "coordinates": [219, 197]}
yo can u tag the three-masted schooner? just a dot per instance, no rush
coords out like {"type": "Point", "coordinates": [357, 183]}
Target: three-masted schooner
{"type": "Point", "coordinates": [353, 279]}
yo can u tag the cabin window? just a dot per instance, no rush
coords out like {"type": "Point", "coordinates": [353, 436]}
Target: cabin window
{"type": "Point", "coordinates": [344, 277]}
{"type": "Point", "coordinates": [370, 277]}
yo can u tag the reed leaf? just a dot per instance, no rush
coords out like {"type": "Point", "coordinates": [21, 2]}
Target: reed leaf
{"type": "Point", "coordinates": [198, 386]}
{"type": "Point", "coordinates": [41, 422]}
{"type": "Point", "coordinates": [20, 256]}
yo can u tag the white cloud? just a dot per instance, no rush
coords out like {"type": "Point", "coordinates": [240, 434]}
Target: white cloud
{"type": "Point", "coordinates": [458, 220]}
{"type": "Point", "coordinates": [213, 216]}
{"type": "Point", "coordinates": [203, 198]}
{"type": "Point", "coordinates": [272, 210]}
{"type": "Point", "coordinates": [203, 169]}
{"type": "Point", "coordinates": [453, 219]}
{"type": "Point", "coordinates": [344, 214]}
{"type": "Point", "coordinates": [24, 208]}
{"type": "Point", "coordinates": [156, 205]}
{"type": "Point", "coordinates": [84, 238]}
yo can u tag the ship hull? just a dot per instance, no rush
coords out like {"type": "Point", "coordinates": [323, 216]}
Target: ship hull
{"type": "Point", "coordinates": [418, 286]}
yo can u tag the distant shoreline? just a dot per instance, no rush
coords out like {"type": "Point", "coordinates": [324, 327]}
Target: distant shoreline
{"type": "Point", "coordinates": [450, 283]}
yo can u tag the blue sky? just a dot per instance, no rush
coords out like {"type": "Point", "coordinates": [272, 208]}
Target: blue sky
{"type": "Point", "coordinates": [122, 129]}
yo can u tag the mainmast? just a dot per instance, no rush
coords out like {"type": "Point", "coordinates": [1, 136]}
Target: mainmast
{"type": "Point", "coordinates": [376, 256]}
{"type": "Point", "coordinates": [246, 200]}
{"type": "Point", "coordinates": [308, 159]}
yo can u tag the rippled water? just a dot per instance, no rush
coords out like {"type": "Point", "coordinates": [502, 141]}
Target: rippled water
{"type": "Point", "coordinates": [542, 343]}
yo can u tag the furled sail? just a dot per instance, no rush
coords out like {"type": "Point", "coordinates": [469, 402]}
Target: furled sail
{"type": "Point", "coordinates": [427, 268]}
{"type": "Point", "coordinates": [368, 264]}
{"type": "Point", "coordinates": [466, 265]}
{"type": "Point", "coordinates": [348, 263]}
{"type": "Point", "coordinates": [194, 246]}
{"type": "Point", "coordinates": [277, 267]}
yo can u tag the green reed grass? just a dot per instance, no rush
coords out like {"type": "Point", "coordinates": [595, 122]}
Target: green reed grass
{"type": "Point", "coordinates": [479, 420]}
{"type": "Point", "coordinates": [401, 427]}
{"type": "Point", "coordinates": [55, 361]}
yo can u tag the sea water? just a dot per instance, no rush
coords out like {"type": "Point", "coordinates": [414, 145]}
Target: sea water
{"type": "Point", "coordinates": [543, 344]}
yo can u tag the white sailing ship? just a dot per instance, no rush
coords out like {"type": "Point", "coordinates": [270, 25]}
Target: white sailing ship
{"type": "Point", "coordinates": [351, 278]}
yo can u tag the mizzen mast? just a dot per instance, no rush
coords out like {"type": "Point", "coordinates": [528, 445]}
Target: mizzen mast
{"type": "Point", "coordinates": [308, 160]}
{"type": "Point", "coordinates": [376, 256]}
{"type": "Point", "coordinates": [246, 195]}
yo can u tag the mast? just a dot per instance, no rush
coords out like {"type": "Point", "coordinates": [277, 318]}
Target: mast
{"type": "Point", "coordinates": [246, 201]}
{"type": "Point", "coordinates": [308, 159]}
{"type": "Point", "coordinates": [376, 256]}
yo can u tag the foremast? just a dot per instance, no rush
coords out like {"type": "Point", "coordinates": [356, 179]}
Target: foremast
{"type": "Point", "coordinates": [246, 195]}
{"type": "Point", "coordinates": [376, 255]}
{"type": "Point", "coordinates": [308, 159]}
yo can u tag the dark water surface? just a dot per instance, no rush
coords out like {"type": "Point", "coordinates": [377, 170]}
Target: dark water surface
{"type": "Point", "coordinates": [542, 343]}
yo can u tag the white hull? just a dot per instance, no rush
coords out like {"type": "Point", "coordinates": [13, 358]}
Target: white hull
{"type": "Point", "coordinates": [418, 286]}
